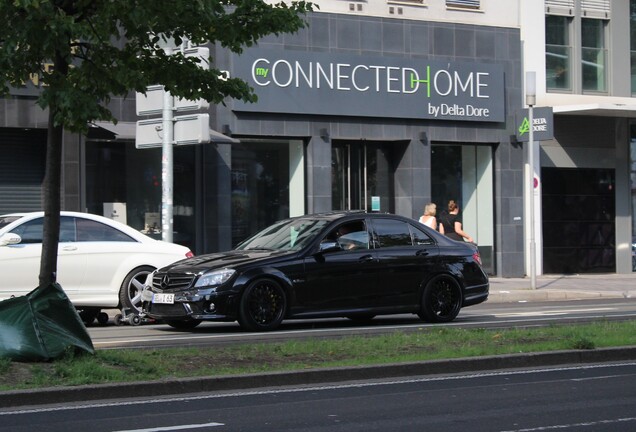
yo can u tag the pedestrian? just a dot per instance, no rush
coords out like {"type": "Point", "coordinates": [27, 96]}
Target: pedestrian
{"type": "Point", "coordinates": [451, 220]}
{"type": "Point", "coordinates": [429, 219]}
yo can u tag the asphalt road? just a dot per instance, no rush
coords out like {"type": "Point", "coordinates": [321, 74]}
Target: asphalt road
{"type": "Point", "coordinates": [486, 315]}
{"type": "Point", "coordinates": [567, 398]}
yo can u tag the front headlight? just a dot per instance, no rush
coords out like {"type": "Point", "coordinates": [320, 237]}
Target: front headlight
{"type": "Point", "coordinates": [214, 278]}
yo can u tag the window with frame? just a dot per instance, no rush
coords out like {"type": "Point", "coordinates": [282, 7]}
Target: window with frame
{"type": "Point", "coordinates": [593, 55]}
{"type": "Point", "coordinates": [465, 4]}
{"type": "Point", "coordinates": [392, 233]}
{"type": "Point", "coordinates": [558, 52]}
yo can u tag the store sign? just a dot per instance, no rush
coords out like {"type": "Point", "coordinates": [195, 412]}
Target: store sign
{"type": "Point", "coordinates": [338, 84]}
{"type": "Point", "coordinates": [542, 124]}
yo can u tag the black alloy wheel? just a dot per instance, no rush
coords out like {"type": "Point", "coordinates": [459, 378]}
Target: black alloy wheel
{"type": "Point", "coordinates": [441, 300]}
{"type": "Point", "coordinates": [262, 306]}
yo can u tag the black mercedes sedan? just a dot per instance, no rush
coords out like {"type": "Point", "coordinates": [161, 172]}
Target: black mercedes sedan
{"type": "Point", "coordinates": [341, 264]}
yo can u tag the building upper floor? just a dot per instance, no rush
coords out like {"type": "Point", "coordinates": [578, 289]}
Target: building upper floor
{"type": "Point", "coordinates": [583, 53]}
{"type": "Point", "coordinates": [500, 13]}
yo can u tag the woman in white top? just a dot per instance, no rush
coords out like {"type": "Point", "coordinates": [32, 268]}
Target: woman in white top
{"type": "Point", "coordinates": [429, 219]}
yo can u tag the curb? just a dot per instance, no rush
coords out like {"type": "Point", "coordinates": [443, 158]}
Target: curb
{"type": "Point", "coordinates": [529, 295]}
{"type": "Point", "coordinates": [86, 393]}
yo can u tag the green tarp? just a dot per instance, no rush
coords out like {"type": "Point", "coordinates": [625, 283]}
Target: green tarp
{"type": "Point", "coordinates": [41, 326]}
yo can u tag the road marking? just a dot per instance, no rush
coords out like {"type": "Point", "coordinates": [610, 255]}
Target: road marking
{"type": "Point", "coordinates": [346, 385]}
{"type": "Point", "coordinates": [172, 428]}
{"type": "Point", "coordinates": [573, 425]}
{"type": "Point", "coordinates": [552, 312]}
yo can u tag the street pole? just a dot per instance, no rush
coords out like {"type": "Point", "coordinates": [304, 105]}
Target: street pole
{"type": "Point", "coordinates": [167, 164]}
{"type": "Point", "coordinates": [531, 99]}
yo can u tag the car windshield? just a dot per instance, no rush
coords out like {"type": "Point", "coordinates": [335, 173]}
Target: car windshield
{"type": "Point", "coordinates": [290, 234]}
{"type": "Point", "coordinates": [6, 220]}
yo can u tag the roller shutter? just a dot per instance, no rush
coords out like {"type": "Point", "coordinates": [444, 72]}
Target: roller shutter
{"type": "Point", "coordinates": [21, 169]}
{"type": "Point", "coordinates": [559, 7]}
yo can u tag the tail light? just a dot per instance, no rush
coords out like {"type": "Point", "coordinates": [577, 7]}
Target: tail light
{"type": "Point", "coordinates": [189, 254]}
{"type": "Point", "coordinates": [477, 257]}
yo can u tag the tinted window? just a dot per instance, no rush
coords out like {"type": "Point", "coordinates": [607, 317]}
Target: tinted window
{"type": "Point", "coordinates": [392, 233]}
{"type": "Point", "coordinates": [352, 235]}
{"type": "Point", "coordinates": [420, 237]}
{"type": "Point", "coordinates": [31, 231]}
{"type": "Point", "coordinates": [90, 230]}
{"type": "Point", "coordinates": [67, 229]}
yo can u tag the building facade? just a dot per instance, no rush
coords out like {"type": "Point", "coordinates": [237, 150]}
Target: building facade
{"type": "Point", "coordinates": [582, 53]}
{"type": "Point", "coordinates": [376, 105]}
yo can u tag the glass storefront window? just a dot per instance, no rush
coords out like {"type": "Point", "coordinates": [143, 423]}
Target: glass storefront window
{"type": "Point", "coordinates": [558, 52]}
{"type": "Point", "coordinates": [267, 185]}
{"type": "Point", "coordinates": [127, 181]}
{"type": "Point", "coordinates": [464, 173]}
{"type": "Point", "coordinates": [594, 54]}
{"type": "Point", "coordinates": [360, 173]}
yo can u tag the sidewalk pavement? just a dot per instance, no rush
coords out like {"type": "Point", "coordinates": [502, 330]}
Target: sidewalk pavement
{"type": "Point", "coordinates": [562, 287]}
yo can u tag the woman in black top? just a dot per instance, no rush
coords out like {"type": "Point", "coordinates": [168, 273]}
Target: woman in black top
{"type": "Point", "coordinates": [452, 222]}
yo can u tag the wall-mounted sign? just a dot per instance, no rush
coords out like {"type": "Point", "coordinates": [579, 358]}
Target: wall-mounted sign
{"type": "Point", "coordinates": [302, 82]}
{"type": "Point", "coordinates": [375, 203]}
{"type": "Point", "coordinates": [542, 121]}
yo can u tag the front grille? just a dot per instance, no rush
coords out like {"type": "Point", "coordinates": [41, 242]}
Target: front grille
{"type": "Point", "coordinates": [169, 282]}
{"type": "Point", "coordinates": [164, 310]}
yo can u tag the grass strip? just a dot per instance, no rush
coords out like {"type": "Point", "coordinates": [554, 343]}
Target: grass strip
{"type": "Point", "coordinates": [427, 343]}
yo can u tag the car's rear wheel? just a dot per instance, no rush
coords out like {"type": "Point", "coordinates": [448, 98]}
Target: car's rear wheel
{"type": "Point", "coordinates": [441, 300]}
{"type": "Point", "coordinates": [131, 287]}
{"type": "Point", "coordinates": [262, 306]}
{"type": "Point", "coordinates": [183, 325]}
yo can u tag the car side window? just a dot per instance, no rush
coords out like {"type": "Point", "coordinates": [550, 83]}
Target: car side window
{"type": "Point", "coordinates": [352, 235]}
{"type": "Point", "coordinates": [392, 232]}
{"type": "Point", "coordinates": [420, 237]}
{"type": "Point", "coordinates": [90, 230]}
{"type": "Point", "coordinates": [67, 229]}
{"type": "Point", "coordinates": [31, 231]}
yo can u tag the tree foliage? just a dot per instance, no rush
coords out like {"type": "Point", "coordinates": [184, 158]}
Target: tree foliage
{"type": "Point", "coordinates": [105, 48]}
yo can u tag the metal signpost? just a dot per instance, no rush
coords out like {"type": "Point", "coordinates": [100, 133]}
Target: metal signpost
{"type": "Point", "coordinates": [170, 130]}
{"type": "Point", "coordinates": [531, 100]}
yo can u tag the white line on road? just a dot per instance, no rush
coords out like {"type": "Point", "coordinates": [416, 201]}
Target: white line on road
{"type": "Point", "coordinates": [573, 425]}
{"type": "Point", "coordinates": [172, 428]}
{"type": "Point", "coordinates": [247, 392]}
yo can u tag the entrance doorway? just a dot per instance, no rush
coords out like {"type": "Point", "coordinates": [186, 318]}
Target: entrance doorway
{"type": "Point", "coordinates": [361, 176]}
{"type": "Point", "coordinates": [464, 173]}
{"type": "Point", "coordinates": [578, 220]}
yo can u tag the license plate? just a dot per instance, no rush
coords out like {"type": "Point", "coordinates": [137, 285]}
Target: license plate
{"type": "Point", "coordinates": [163, 298]}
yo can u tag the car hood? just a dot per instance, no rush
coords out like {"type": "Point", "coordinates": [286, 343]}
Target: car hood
{"type": "Point", "coordinates": [232, 259]}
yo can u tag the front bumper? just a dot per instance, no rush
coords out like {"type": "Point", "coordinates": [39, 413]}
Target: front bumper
{"type": "Point", "coordinates": [207, 308]}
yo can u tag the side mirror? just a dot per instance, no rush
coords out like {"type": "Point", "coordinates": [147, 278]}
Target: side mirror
{"type": "Point", "coordinates": [10, 239]}
{"type": "Point", "coordinates": [329, 246]}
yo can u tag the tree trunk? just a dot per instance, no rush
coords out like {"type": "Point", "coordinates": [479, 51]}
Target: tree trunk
{"type": "Point", "coordinates": [51, 195]}
{"type": "Point", "coordinates": [51, 203]}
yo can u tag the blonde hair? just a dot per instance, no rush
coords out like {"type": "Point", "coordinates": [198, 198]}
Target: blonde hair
{"type": "Point", "coordinates": [430, 209]}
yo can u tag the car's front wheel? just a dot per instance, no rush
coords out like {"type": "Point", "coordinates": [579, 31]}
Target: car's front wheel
{"type": "Point", "coordinates": [131, 287]}
{"type": "Point", "coordinates": [441, 300]}
{"type": "Point", "coordinates": [262, 306]}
